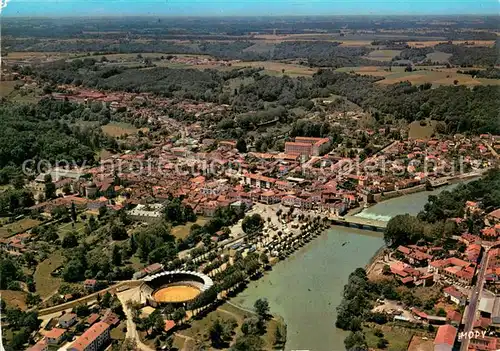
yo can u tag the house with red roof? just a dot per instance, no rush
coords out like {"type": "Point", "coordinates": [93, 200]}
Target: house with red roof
{"type": "Point", "coordinates": [414, 255]}
{"type": "Point", "coordinates": [110, 318]}
{"type": "Point", "coordinates": [454, 318]}
{"type": "Point", "coordinates": [485, 343]}
{"type": "Point", "coordinates": [90, 284]}
{"type": "Point", "coordinates": [94, 317]}
{"type": "Point", "coordinates": [169, 325]}
{"type": "Point", "coordinates": [93, 339]}
{"type": "Point", "coordinates": [55, 336]}
{"type": "Point", "coordinates": [455, 295]}
{"type": "Point", "coordinates": [39, 346]}
{"type": "Point", "coordinates": [445, 338]}
{"type": "Point", "coordinates": [493, 217]}
{"type": "Point", "coordinates": [418, 313]}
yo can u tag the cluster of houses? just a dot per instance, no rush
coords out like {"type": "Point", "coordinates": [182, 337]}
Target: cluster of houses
{"type": "Point", "coordinates": [455, 270]}
{"type": "Point", "coordinates": [96, 335]}
{"type": "Point", "coordinates": [137, 103]}
{"type": "Point", "coordinates": [208, 178]}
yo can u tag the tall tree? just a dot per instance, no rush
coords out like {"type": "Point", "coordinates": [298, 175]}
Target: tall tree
{"type": "Point", "coordinates": [73, 211]}
{"type": "Point", "coordinates": [262, 308]}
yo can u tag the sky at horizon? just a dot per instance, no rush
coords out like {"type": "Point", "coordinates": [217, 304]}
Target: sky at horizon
{"type": "Point", "coordinates": [49, 8]}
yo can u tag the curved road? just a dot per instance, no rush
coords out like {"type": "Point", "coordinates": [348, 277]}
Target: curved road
{"type": "Point", "coordinates": [134, 295]}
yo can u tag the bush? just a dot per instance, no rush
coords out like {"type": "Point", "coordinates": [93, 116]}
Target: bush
{"type": "Point", "coordinates": [382, 343]}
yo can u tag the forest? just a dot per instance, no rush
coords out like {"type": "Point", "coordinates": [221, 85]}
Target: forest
{"type": "Point", "coordinates": [174, 27]}
{"type": "Point", "coordinates": [47, 131]}
{"type": "Point", "coordinates": [465, 56]}
{"type": "Point", "coordinates": [314, 53]}
{"type": "Point", "coordinates": [464, 110]}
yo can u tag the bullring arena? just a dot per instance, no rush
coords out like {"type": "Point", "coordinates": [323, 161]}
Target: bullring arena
{"type": "Point", "coordinates": [176, 287]}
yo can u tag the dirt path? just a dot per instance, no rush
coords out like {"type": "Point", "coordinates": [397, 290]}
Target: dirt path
{"type": "Point", "coordinates": [186, 338]}
{"type": "Point", "coordinates": [240, 308]}
{"type": "Point", "coordinates": [234, 315]}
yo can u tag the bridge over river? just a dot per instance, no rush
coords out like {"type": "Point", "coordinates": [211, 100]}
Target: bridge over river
{"type": "Point", "coordinates": [359, 222]}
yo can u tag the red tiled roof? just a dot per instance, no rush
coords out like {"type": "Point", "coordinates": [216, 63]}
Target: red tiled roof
{"type": "Point", "coordinates": [451, 290]}
{"type": "Point", "coordinates": [454, 316]}
{"type": "Point", "coordinates": [419, 313]}
{"type": "Point", "coordinates": [486, 343]}
{"type": "Point", "coordinates": [39, 346]}
{"type": "Point", "coordinates": [495, 213]}
{"type": "Point", "coordinates": [404, 249]}
{"type": "Point", "coordinates": [446, 334]}
{"type": "Point", "coordinates": [55, 333]}
{"type": "Point", "coordinates": [92, 318]}
{"type": "Point", "coordinates": [169, 324]}
{"type": "Point", "coordinates": [89, 336]}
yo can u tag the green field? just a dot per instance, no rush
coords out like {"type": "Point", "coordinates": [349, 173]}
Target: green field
{"type": "Point", "coordinates": [418, 131]}
{"type": "Point", "coordinates": [66, 228]}
{"type": "Point", "coordinates": [279, 68]}
{"type": "Point", "coordinates": [260, 47]}
{"type": "Point", "coordinates": [436, 75]}
{"type": "Point", "coordinates": [117, 129]}
{"type": "Point", "coordinates": [383, 55]}
{"type": "Point", "coordinates": [18, 227]}
{"type": "Point", "coordinates": [439, 56]}
{"type": "Point", "coordinates": [7, 87]}
{"type": "Point", "coordinates": [30, 98]}
{"type": "Point", "coordinates": [182, 231]}
{"type": "Point", "coordinates": [46, 284]}
{"type": "Point", "coordinates": [236, 83]}
{"type": "Point", "coordinates": [398, 338]}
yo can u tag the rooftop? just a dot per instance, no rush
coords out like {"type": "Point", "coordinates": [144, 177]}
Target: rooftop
{"type": "Point", "coordinates": [446, 334]}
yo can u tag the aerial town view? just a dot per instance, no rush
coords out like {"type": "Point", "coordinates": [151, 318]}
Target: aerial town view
{"type": "Point", "coordinates": [194, 175]}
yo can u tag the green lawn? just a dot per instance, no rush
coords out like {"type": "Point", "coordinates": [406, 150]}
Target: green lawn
{"type": "Point", "coordinates": [118, 333]}
{"type": "Point", "coordinates": [18, 227]}
{"type": "Point", "coordinates": [182, 231]}
{"type": "Point", "coordinates": [7, 87]}
{"type": "Point", "coordinates": [198, 328]}
{"type": "Point", "coordinates": [136, 263]}
{"type": "Point", "coordinates": [45, 283]}
{"type": "Point", "coordinates": [66, 228]}
{"type": "Point", "coordinates": [418, 131]}
{"type": "Point", "coordinates": [117, 129]}
{"type": "Point", "coordinates": [398, 338]}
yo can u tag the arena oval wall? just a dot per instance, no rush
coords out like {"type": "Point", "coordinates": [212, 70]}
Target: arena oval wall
{"type": "Point", "coordinates": [175, 282]}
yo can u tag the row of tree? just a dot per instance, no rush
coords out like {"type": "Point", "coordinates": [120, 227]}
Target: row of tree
{"type": "Point", "coordinates": [433, 224]}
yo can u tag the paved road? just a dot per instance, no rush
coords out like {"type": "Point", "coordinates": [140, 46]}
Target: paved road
{"type": "Point", "coordinates": [474, 299]}
{"type": "Point", "coordinates": [134, 295]}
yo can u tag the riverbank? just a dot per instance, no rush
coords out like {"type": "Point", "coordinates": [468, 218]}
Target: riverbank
{"type": "Point", "coordinates": [376, 260]}
{"type": "Point", "coordinates": [185, 338]}
{"type": "Point", "coordinates": [307, 287]}
{"type": "Point", "coordinates": [380, 197]}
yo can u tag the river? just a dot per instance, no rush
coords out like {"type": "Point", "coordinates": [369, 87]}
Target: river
{"type": "Point", "coordinates": [306, 288]}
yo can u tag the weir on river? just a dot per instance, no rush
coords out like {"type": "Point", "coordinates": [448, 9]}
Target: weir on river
{"type": "Point", "coordinates": [359, 222]}
{"type": "Point", "coordinates": [306, 288]}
